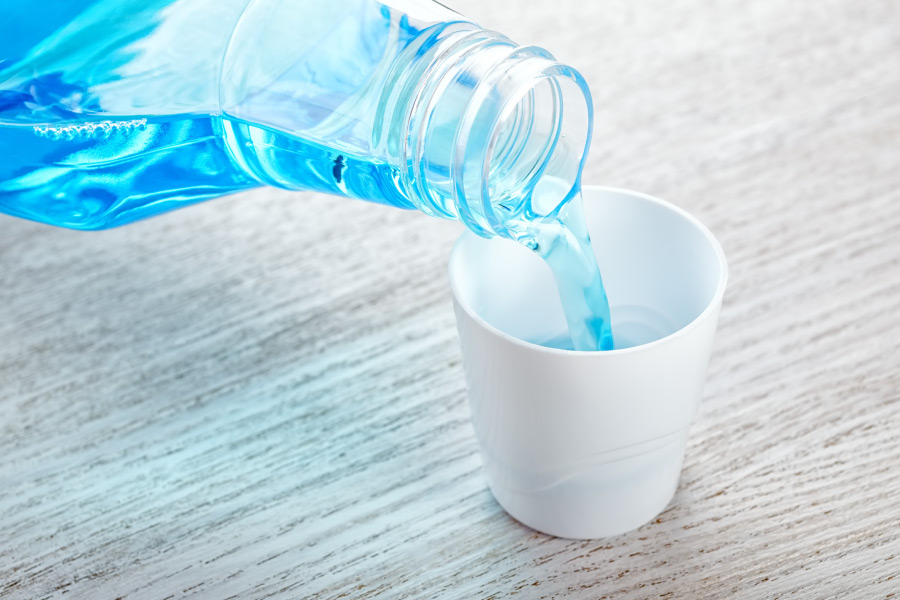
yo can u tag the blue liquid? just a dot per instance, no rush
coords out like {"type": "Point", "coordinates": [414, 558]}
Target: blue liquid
{"type": "Point", "coordinates": [103, 173]}
{"type": "Point", "coordinates": [105, 120]}
{"type": "Point", "coordinates": [565, 245]}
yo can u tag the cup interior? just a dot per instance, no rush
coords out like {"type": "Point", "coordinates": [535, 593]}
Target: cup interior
{"type": "Point", "coordinates": [661, 267]}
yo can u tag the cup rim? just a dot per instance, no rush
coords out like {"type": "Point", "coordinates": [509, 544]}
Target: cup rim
{"type": "Point", "coordinates": [713, 304]}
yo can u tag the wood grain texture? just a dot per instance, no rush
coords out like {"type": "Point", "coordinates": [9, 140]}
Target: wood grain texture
{"type": "Point", "coordinates": [261, 396]}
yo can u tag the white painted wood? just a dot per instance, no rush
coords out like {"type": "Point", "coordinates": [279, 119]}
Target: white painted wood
{"type": "Point", "coordinates": [261, 397]}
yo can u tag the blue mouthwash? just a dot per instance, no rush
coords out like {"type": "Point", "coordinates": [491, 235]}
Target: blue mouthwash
{"type": "Point", "coordinates": [116, 110]}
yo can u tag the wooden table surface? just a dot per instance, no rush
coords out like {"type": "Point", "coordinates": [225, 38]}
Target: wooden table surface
{"type": "Point", "coordinates": [262, 396]}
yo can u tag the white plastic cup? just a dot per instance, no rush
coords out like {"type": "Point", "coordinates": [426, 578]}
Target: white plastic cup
{"type": "Point", "coordinates": [589, 444]}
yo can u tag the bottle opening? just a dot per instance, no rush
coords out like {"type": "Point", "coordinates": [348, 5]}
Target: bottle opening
{"type": "Point", "coordinates": [537, 150]}
{"type": "Point", "coordinates": [497, 134]}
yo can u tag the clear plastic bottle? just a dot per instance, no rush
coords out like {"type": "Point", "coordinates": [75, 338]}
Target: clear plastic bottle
{"type": "Point", "coordinates": [116, 110]}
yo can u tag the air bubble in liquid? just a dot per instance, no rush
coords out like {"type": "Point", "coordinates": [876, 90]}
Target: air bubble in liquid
{"type": "Point", "coordinates": [95, 130]}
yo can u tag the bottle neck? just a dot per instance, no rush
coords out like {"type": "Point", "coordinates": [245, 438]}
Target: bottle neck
{"type": "Point", "coordinates": [492, 133]}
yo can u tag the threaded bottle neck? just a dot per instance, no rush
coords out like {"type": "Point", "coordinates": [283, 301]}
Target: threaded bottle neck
{"type": "Point", "coordinates": [493, 134]}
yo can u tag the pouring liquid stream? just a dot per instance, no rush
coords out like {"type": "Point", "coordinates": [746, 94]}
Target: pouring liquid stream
{"type": "Point", "coordinates": [565, 245]}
